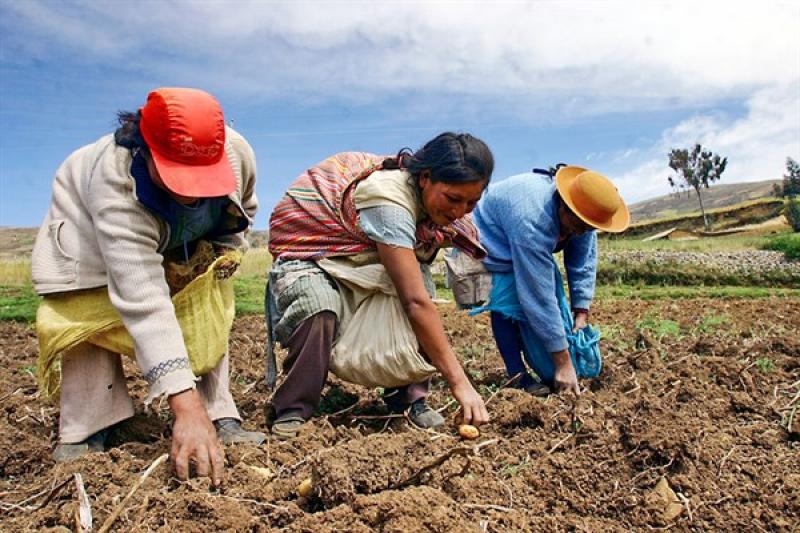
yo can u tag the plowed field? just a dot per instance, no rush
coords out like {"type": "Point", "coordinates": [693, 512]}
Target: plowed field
{"type": "Point", "coordinates": [702, 394]}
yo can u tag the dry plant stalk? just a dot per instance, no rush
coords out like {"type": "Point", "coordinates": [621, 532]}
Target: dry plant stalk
{"type": "Point", "coordinates": [464, 451]}
{"type": "Point", "coordinates": [83, 514]}
{"type": "Point", "coordinates": [575, 423]}
{"type": "Point", "coordinates": [118, 509]}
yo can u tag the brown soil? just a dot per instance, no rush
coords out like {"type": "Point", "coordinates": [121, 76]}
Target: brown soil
{"type": "Point", "coordinates": [707, 409]}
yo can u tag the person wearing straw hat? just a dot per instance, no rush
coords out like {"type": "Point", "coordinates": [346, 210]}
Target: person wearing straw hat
{"type": "Point", "coordinates": [523, 220]}
{"type": "Point", "coordinates": [170, 175]}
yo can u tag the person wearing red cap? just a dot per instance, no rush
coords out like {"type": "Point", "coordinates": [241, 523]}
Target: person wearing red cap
{"type": "Point", "coordinates": [170, 175]}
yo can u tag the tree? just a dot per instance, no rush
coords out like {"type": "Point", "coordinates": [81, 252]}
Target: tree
{"type": "Point", "coordinates": [696, 169]}
{"type": "Point", "coordinates": [791, 180]}
{"type": "Point", "coordinates": [790, 189]}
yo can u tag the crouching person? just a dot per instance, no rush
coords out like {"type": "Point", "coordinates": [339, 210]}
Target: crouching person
{"type": "Point", "coordinates": [347, 291]}
{"type": "Point", "coordinates": [171, 175]}
{"type": "Point", "coordinates": [523, 221]}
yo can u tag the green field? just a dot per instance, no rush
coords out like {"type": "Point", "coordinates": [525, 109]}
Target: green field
{"type": "Point", "coordinates": [649, 281]}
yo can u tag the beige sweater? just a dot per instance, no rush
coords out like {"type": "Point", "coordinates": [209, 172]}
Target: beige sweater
{"type": "Point", "coordinates": [96, 233]}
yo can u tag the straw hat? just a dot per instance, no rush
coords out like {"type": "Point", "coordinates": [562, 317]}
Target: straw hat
{"type": "Point", "coordinates": [593, 198]}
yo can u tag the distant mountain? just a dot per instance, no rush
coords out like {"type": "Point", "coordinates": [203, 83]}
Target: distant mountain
{"type": "Point", "coordinates": [721, 195]}
{"type": "Point", "coordinates": [16, 242]}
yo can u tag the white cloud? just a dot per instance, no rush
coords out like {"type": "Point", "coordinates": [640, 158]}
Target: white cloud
{"type": "Point", "coordinates": [573, 57]}
{"type": "Point", "coordinates": [756, 145]}
{"type": "Point", "coordinates": [524, 62]}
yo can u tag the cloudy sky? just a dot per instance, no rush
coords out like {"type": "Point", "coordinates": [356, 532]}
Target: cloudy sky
{"type": "Point", "coordinates": [611, 85]}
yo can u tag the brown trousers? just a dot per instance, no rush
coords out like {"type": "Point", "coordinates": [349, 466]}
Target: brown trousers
{"type": "Point", "coordinates": [306, 369]}
{"type": "Point", "coordinates": [94, 394]}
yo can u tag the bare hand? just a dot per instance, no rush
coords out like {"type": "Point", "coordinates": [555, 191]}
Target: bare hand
{"type": "Point", "coordinates": [472, 405]}
{"type": "Point", "coordinates": [194, 437]}
{"type": "Point", "coordinates": [228, 266]}
{"type": "Point", "coordinates": [581, 319]}
{"type": "Point", "coordinates": [565, 378]}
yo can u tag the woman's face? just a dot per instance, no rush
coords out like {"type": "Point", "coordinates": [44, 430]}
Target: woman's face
{"type": "Point", "coordinates": [571, 224]}
{"type": "Point", "coordinates": [447, 202]}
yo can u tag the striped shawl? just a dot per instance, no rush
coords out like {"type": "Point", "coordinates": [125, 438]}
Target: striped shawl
{"type": "Point", "coordinates": [317, 216]}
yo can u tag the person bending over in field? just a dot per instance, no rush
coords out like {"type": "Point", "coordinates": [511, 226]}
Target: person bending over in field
{"type": "Point", "coordinates": [523, 221]}
{"type": "Point", "coordinates": [347, 291]}
{"type": "Point", "coordinates": [171, 175]}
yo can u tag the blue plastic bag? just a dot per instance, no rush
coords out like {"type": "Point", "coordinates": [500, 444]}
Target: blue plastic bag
{"type": "Point", "coordinates": [584, 347]}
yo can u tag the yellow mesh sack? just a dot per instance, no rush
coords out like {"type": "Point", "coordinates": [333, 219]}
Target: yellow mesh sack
{"type": "Point", "coordinates": [204, 309]}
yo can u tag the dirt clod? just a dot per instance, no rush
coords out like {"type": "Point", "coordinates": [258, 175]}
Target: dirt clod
{"type": "Point", "coordinates": [705, 403]}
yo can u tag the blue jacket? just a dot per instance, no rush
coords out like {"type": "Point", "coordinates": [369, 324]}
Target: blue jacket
{"type": "Point", "coordinates": [518, 223]}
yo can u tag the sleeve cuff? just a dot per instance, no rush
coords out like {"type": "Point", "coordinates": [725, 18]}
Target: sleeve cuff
{"type": "Point", "coordinates": [584, 304]}
{"type": "Point", "coordinates": [171, 383]}
{"type": "Point", "coordinates": [556, 345]}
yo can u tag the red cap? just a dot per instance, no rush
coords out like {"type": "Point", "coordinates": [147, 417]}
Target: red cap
{"type": "Point", "coordinates": [185, 132]}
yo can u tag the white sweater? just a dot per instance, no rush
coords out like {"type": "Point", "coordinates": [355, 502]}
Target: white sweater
{"type": "Point", "coordinates": [97, 233]}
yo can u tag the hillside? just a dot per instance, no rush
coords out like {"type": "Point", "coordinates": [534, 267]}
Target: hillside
{"type": "Point", "coordinates": [721, 195]}
{"type": "Point", "coordinates": [16, 242]}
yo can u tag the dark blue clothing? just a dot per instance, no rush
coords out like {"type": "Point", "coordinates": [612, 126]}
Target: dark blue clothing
{"type": "Point", "coordinates": [186, 224]}
{"type": "Point", "coordinates": [509, 342]}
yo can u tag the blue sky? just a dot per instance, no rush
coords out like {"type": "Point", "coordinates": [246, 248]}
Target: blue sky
{"type": "Point", "coordinates": [611, 85]}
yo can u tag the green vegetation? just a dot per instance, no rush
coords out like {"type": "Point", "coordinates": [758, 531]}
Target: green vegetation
{"type": "Point", "coordinates": [511, 470]}
{"type": "Point", "coordinates": [789, 244]}
{"type": "Point", "coordinates": [619, 269]}
{"type": "Point", "coordinates": [249, 291]}
{"type": "Point", "coordinates": [791, 210]}
{"type": "Point", "coordinates": [487, 390]}
{"type": "Point", "coordinates": [442, 291]}
{"type": "Point", "coordinates": [710, 323]}
{"type": "Point", "coordinates": [29, 369]}
{"type": "Point", "coordinates": [659, 327]}
{"type": "Point", "coordinates": [765, 365]}
{"type": "Point", "coordinates": [676, 273]}
{"type": "Point", "coordinates": [790, 190]}
{"type": "Point", "coordinates": [615, 334]}
{"type": "Point", "coordinates": [647, 281]}
{"type": "Point", "coordinates": [18, 303]}
{"type": "Point", "coordinates": [650, 292]}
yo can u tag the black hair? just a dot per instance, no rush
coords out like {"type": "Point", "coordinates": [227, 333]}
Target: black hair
{"type": "Point", "coordinates": [128, 134]}
{"type": "Point", "coordinates": [449, 157]}
{"type": "Point", "coordinates": [550, 172]}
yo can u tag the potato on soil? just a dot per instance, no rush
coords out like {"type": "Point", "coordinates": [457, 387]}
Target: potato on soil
{"type": "Point", "coordinates": [305, 487]}
{"type": "Point", "coordinates": [468, 432]}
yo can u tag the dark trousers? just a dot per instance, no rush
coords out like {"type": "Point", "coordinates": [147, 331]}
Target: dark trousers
{"type": "Point", "coordinates": [509, 344]}
{"type": "Point", "coordinates": [306, 369]}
